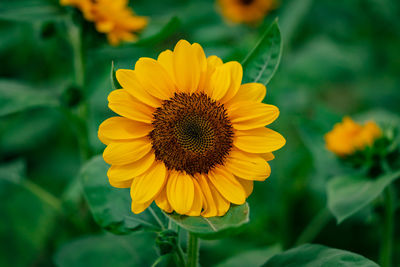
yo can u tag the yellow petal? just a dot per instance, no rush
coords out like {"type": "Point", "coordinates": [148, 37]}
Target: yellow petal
{"type": "Point", "coordinates": [139, 207]}
{"type": "Point", "coordinates": [202, 62]}
{"type": "Point", "coordinates": [227, 185]}
{"type": "Point", "coordinates": [247, 115]}
{"type": "Point", "coordinates": [220, 82]}
{"type": "Point", "coordinates": [267, 156]}
{"type": "Point", "coordinates": [147, 186]}
{"type": "Point", "coordinates": [236, 80]}
{"type": "Point", "coordinates": [154, 78]}
{"type": "Point", "coordinates": [247, 166]}
{"type": "Point", "coordinates": [120, 128]}
{"type": "Point", "coordinates": [212, 63]}
{"type": "Point", "coordinates": [247, 186]}
{"type": "Point", "coordinates": [221, 203]}
{"type": "Point", "coordinates": [260, 140]}
{"type": "Point", "coordinates": [103, 139]}
{"type": "Point", "coordinates": [162, 201]}
{"type": "Point", "coordinates": [129, 81]}
{"type": "Point", "coordinates": [180, 191]}
{"type": "Point", "coordinates": [250, 92]}
{"type": "Point", "coordinates": [121, 184]}
{"type": "Point", "coordinates": [210, 207]}
{"type": "Point", "coordinates": [197, 200]}
{"type": "Point", "coordinates": [126, 152]}
{"type": "Point", "coordinates": [166, 59]}
{"type": "Point", "coordinates": [189, 66]}
{"type": "Point", "coordinates": [125, 105]}
{"type": "Point", "coordinates": [118, 173]}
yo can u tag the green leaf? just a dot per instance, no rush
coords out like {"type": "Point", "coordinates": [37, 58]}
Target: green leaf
{"type": "Point", "coordinates": [114, 82]}
{"type": "Point", "coordinates": [157, 31]}
{"type": "Point", "coordinates": [28, 217]}
{"type": "Point", "coordinates": [31, 10]}
{"type": "Point", "coordinates": [349, 194]}
{"type": "Point", "coordinates": [16, 97]}
{"type": "Point", "coordinates": [111, 207]}
{"type": "Point", "coordinates": [214, 227]}
{"type": "Point", "coordinates": [317, 255]}
{"type": "Point", "coordinates": [13, 171]}
{"type": "Point", "coordinates": [262, 62]}
{"type": "Point", "coordinates": [108, 250]}
{"type": "Point", "coordinates": [255, 257]}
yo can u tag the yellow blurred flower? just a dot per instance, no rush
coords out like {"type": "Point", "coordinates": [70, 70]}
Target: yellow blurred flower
{"type": "Point", "coordinates": [246, 11]}
{"type": "Point", "coordinates": [190, 135]}
{"type": "Point", "coordinates": [112, 17]}
{"type": "Point", "coordinates": [348, 136]}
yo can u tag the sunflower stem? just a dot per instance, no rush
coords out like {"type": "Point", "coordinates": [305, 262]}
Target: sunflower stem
{"type": "Point", "coordinates": [193, 250]}
{"type": "Point", "coordinates": [75, 38]}
{"type": "Point", "coordinates": [388, 228]}
{"type": "Point", "coordinates": [314, 227]}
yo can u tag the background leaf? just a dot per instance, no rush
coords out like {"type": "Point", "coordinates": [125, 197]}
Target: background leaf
{"type": "Point", "coordinates": [159, 30]}
{"type": "Point", "coordinates": [255, 257]}
{"type": "Point", "coordinates": [24, 231]}
{"type": "Point", "coordinates": [262, 62]}
{"type": "Point", "coordinates": [317, 255]}
{"type": "Point", "coordinates": [349, 194]}
{"type": "Point", "coordinates": [16, 96]}
{"type": "Point", "coordinates": [31, 10]}
{"type": "Point", "coordinates": [214, 227]}
{"type": "Point", "coordinates": [107, 250]}
{"type": "Point", "coordinates": [111, 207]}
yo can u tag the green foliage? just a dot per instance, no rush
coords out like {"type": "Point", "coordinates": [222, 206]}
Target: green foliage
{"type": "Point", "coordinates": [31, 10]}
{"type": "Point", "coordinates": [317, 255]}
{"type": "Point", "coordinates": [214, 227]}
{"type": "Point", "coordinates": [255, 257]}
{"type": "Point", "coordinates": [349, 194]}
{"type": "Point", "coordinates": [111, 207]}
{"type": "Point", "coordinates": [107, 250]}
{"type": "Point", "coordinates": [262, 62]}
{"type": "Point", "coordinates": [16, 194]}
{"type": "Point", "coordinates": [158, 31]}
{"type": "Point", "coordinates": [16, 96]}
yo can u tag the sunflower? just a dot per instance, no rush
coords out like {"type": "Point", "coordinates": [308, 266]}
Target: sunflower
{"type": "Point", "coordinates": [348, 136]}
{"type": "Point", "coordinates": [190, 136]}
{"type": "Point", "coordinates": [112, 17]}
{"type": "Point", "coordinates": [246, 11]}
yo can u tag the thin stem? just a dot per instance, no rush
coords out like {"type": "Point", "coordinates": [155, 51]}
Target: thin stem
{"type": "Point", "coordinates": [157, 261]}
{"type": "Point", "coordinates": [156, 218]}
{"type": "Point", "coordinates": [314, 227]}
{"type": "Point", "coordinates": [44, 195]}
{"type": "Point", "coordinates": [75, 38]}
{"type": "Point", "coordinates": [193, 250]}
{"type": "Point", "coordinates": [180, 254]}
{"type": "Point", "coordinates": [388, 230]}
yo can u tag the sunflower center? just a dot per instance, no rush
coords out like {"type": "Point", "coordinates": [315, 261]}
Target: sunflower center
{"type": "Point", "coordinates": [191, 133]}
{"type": "Point", "coordinates": [246, 2]}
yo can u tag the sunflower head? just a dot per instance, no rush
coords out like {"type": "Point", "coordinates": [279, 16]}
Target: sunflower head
{"type": "Point", "coordinates": [347, 137]}
{"type": "Point", "coordinates": [112, 17]}
{"type": "Point", "coordinates": [190, 136]}
{"type": "Point", "coordinates": [246, 11]}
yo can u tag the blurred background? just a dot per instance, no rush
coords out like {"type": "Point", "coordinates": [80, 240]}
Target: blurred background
{"type": "Point", "coordinates": [339, 58]}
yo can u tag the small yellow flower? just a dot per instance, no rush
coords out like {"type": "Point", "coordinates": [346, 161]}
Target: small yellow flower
{"type": "Point", "coordinates": [348, 136]}
{"type": "Point", "coordinates": [246, 11]}
{"type": "Point", "coordinates": [112, 17]}
{"type": "Point", "coordinates": [191, 137]}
